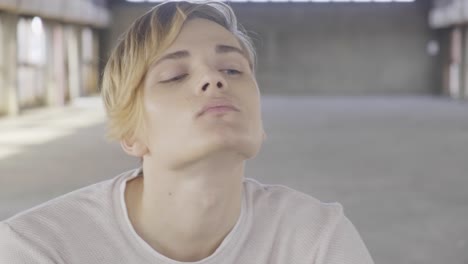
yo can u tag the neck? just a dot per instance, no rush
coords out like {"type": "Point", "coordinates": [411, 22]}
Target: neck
{"type": "Point", "coordinates": [186, 214]}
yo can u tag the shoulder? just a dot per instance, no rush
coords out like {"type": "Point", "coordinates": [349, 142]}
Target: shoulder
{"type": "Point", "coordinates": [18, 249]}
{"type": "Point", "coordinates": [56, 222]}
{"type": "Point", "coordinates": [311, 228]}
{"type": "Point", "coordinates": [64, 207]}
{"type": "Point", "coordinates": [285, 199]}
{"type": "Point", "coordinates": [293, 208]}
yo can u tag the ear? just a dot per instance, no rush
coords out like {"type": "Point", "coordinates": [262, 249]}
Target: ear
{"type": "Point", "coordinates": [134, 148]}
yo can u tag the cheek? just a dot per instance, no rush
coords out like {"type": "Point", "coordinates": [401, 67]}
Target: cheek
{"type": "Point", "coordinates": [158, 104]}
{"type": "Point", "coordinates": [251, 96]}
{"type": "Point", "coordinates": [165, 115]}
{"type": "Point", "coordinates": [251, 103]}
{"type": "Point", "coordinates": [154, 113]}
{"type": "Point", "coordinates": [152, 108]}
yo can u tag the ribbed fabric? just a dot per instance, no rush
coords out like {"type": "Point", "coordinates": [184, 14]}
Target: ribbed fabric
{"type": "Point", "coordinates": [277, 225]}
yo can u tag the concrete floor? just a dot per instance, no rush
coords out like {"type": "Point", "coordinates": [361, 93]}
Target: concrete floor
{"type": "Point", "coordinates": [398, 165]}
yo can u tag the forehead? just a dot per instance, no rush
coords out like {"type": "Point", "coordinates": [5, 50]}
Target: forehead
{"type": "Point", "coordinates": [199, 32]}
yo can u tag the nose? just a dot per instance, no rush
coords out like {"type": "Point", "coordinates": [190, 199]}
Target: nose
{"type": "Point", "coordinates": [213, 82]}
{"type": "Point", "coordinates": [207, 85]}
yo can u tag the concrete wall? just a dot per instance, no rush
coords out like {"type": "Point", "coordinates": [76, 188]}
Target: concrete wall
{"type": "Point", "coordinates": [330, 49]}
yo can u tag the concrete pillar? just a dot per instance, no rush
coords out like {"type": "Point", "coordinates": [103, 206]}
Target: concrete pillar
{"type": "Point", "coordinates": [55, 67]}
{"type": "Point", "coordinates": [2, 69]}
{"type": "Point", "coordinates": [96, 57]}
{"type": "Point", "coordinates": [50, 82]}
{"type": "Point", "coordinates": [9, 49]}
{"type": "Point", "coordinates": [464, 88]}
{"type": "Point", "coordinates": [455, 67]}
{"type": "Point", "coordinates": [90, 57]}
{"type": "Point", "coordinates": [73, 38]}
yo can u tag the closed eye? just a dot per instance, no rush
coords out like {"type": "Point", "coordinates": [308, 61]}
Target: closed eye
{"type": "Point", "coordinates": [175, 79]}
{"type": "Point", "coordinates": [232, 72]}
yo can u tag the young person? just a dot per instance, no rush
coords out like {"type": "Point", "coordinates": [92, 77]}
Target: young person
{"type": "Point", "coordinates": [181, 94]}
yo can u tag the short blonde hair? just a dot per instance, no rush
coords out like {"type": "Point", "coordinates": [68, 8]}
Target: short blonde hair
{"type": "Point", "coordinates": [145, 40]}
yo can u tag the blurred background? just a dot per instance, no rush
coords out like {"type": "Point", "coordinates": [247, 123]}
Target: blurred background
{"type": "Point", "coordinates": [364, 103]}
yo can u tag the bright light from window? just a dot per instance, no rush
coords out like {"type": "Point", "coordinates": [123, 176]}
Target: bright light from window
{"type": "Point", "coordinates": [36, 26]}
{"type": "Point", "coordinates": [293, 1]}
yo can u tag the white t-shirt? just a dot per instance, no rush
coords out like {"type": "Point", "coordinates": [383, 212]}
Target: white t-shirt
{"type": "Point", "coordinates": [277, 225]}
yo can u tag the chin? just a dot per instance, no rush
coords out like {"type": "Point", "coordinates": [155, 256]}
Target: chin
{"type": "Point", "coordinates": [246, 147]}
{"type": "Point", "coordinates": [238, 148]}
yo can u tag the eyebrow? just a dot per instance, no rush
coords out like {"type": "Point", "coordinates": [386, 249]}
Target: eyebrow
{"type": "Point", "coordinates": [219, 49]}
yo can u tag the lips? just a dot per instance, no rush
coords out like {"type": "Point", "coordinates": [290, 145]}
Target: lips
{"type": "Point", "coordinates": [219, 105]}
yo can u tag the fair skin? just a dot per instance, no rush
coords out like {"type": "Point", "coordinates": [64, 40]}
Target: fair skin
{"type": "Point", "coordinates": [193, 165]}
